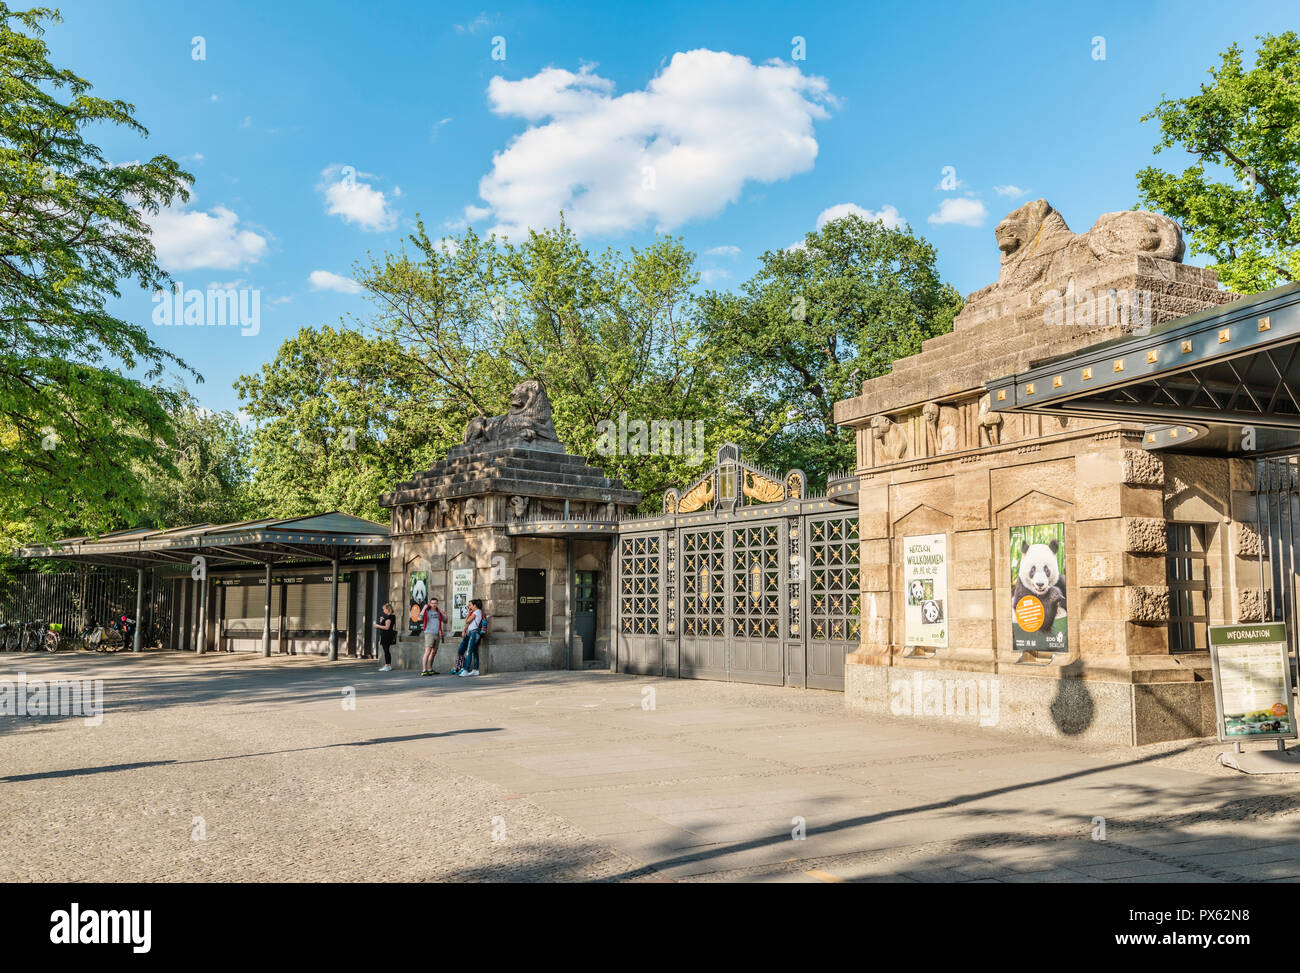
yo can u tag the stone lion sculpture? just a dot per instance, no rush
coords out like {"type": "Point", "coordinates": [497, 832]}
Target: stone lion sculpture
{"type": "Point", "coordinates": [518, 508]}
{"type": "Point", "coordinates": [529, 418]}
{"type": "Point", "coordinates": [891, 440]}
{"type": "Point", "coordinates": [1037, 245]}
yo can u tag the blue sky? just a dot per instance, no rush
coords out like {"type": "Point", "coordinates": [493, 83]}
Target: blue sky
{"type": "Point", "coordinates": [317, 131]}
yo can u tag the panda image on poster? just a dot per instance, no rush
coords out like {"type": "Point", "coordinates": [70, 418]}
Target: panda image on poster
{"type": "Point", "coordinates": [932, 612]}
{"type": "Point", "coordinates": [1040, 577]}
{"type": "Point", "coordinates": [419, 596]}
{"type": "Point", "coordinates": [916, 593]}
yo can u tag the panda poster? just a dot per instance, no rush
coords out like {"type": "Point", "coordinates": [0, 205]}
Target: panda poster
{"type": "Point", "coordinates": [925, 584]}
{"type": "Point", "coordinates": [419, 595]}
{"type": "Point", "coordinates": [1038, 603]}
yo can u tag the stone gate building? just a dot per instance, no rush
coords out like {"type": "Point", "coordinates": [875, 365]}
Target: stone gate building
{"type": "Point", "coordinates": [937, 455]}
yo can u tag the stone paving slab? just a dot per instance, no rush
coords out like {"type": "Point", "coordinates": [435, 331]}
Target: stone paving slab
{"type": "Point", "coordinates": [566, 777]}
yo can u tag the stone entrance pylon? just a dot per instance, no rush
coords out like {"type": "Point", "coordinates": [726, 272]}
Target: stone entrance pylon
{"type": "Point", "coordinates": [936, 461]}
{"type": "Point", "coordinates": [508, 517]}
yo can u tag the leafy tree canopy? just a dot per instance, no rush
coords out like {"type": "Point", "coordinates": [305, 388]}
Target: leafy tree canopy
{"type": "Point", "coordinates": [71, 230]}
{"type": "Point", "coordinates": [1239, 201]}
{"type": "Point", "coordinates": [815, 322]}
{"type": "Point", "coordinates": [338, 418]}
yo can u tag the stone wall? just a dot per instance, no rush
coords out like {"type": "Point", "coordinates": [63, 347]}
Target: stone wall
{"type": "Point", "coordinates": [934, 458]}
{"type": "Point", "coordinates": [494, 556]}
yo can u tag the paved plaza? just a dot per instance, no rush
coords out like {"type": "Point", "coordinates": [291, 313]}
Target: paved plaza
{"type": "Point", "coordinates": [234, 767]}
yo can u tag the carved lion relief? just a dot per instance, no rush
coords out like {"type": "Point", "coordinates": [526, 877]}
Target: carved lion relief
{"type": "Point", "coordinates": [990, 424]}
{"type": "Point", "coordinates": [891, 441]}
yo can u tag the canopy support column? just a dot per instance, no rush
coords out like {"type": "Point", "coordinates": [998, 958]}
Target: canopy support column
{"type": "Point", "coordinates": [139, 609]}
{"type": "Point", "coordinates": [334, 612]}
{"type": "Point", "coordinates": [201, 645]}
{"type": "Point", "coordinates": [266, 615]}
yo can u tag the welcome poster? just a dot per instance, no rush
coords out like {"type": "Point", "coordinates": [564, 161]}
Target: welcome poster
{"type": "Point", "coordinates": [925, 585]}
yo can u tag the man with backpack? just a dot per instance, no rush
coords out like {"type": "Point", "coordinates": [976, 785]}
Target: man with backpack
{"type": "Point", "coordinates": [434, 623]}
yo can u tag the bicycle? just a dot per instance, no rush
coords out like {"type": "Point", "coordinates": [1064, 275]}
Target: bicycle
{"type": "Point", "coordinates": [101, 639]}
{"type": "Point", "coordinates": [31, 636]}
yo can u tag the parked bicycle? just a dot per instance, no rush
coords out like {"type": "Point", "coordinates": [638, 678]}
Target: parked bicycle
{"type": "Point", "coordinates": [102, 638]}
{"type": "Point", "coordinates": [31, 640]}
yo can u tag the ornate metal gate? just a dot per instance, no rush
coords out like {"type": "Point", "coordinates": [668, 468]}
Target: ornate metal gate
{"type": "Point", "coordinates": [1277, 505]}
{"type": "Point", "coordinates": [743, 577]}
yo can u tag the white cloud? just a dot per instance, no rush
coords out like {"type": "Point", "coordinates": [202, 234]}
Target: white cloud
{"type": "Point", "coordinates": [185, 239]}
{"type": "Point", "coordinates": [960, 209]}
{"type": "Point", "coordinates": [282, 300]}
{"type": "Point", "coordinates": [475, 25]}
{"type": "Point", "coordinates": [723, 251]}
{"type": "Point", "coordinates": [355, 201]}
{"type": "Point", "coordinates": [949, 182]}
{"type": "Point", "coordinates": [712, 274]}
{"type": "Point", "coordinates": [324, 280]}
{"type": "Point", "coordinates": [682, 148]}
{"type": "Point", "coordinates": [1014, 192]}
{"type": "Point", "coordinates": [888, 215]}
{"type": "Point", "coordinates": [247, 122]}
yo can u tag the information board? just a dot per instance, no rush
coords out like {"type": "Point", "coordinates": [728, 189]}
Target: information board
{"type": "Point", "coordinates": [1252, 682]}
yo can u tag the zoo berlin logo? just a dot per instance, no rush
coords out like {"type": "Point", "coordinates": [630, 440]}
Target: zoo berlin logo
{"type": "Point", "coordinates": [216, 306]}
{"type": "Point", "coordinates": [73, 927]}
{"type": "Point", "coordinates": [923, 695]}
{"type": "Point", "coordinates": [55, 697]}
{"type": "Point", "coordinates": [658, 437]}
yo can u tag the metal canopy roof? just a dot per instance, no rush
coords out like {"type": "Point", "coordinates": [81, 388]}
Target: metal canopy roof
{"type": "Point", "coordinates": [317, 537]}
{"type": "Point", "coordinates": [1198, 381]}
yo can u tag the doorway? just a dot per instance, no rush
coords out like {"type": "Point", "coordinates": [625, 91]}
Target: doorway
{"type": "Point", "coordinates": [585, 595]}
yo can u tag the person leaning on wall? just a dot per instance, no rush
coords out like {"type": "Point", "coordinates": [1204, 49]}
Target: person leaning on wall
{"type": "Point", "coordinates": [467, 651]}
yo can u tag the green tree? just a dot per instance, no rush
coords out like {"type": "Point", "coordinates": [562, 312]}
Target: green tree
{"type": "Point", "coordinates": [609, 335]}
{"type": "Point", "coordinates": [72, 228]}
{"type": "Point", "coordinates": [210, 482]}
{"type": "Point", "coordinates": [1240, 200]}
{"type": "Point", "coordinates": [815, 322]}
{"type": "Point", "coordinates": [338, 418]}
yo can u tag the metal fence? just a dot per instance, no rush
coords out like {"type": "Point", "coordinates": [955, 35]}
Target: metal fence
{"type": "Point", "coordinates": [93, 595]}
{"type": "Point", "coordinates": [1277, 500]}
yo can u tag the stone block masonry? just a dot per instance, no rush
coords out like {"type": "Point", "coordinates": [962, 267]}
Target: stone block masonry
{"type": "Point", "coordinates": [933, 457]}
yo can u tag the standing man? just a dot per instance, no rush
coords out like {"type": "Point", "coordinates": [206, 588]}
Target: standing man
{"type": "Point", "coordinates": [435, 623]}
